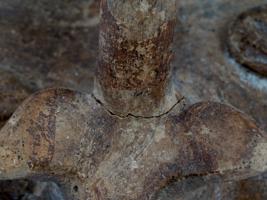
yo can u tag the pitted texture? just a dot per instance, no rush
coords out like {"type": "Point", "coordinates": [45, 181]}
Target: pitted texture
{"type": "Point", "coordinates": [204, 71]}
{"type": "Point", "coordinates": [99, 156]}
{"type": "Point", "coordinates": [133, 72]}
{"type": "Point", "coordinates": [144, 18]}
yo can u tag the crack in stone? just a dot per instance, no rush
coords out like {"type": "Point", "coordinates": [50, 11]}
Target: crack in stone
{"type": "Point", "coordinates": [137, 116]}
{"type": "Point", "coordinates": [206, 175]}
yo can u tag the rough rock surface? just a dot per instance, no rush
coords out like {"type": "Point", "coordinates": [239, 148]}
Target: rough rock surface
{"type": "Point", "coordinates": [29, 190]}
{"type": "Point", "coordinates": [108, 157]}
{"type": "Point", "coordinates": [248, 39]}
{"type": "Point", "coordinates": [204, 71]}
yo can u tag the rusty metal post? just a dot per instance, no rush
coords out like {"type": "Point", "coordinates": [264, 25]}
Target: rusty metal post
{"type": "Point", "coordinates": [135, 54]}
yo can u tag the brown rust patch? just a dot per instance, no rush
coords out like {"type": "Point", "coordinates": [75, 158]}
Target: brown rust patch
{"type": "Point", "coordinates": [216, 126]}
{"type": "Point", "coordinates": [126, 64]}
{"type": "Point", "coordinates": [192, 157]}
{"type": "Point", "coordinates": [42, 126]}
{"type": "Point", "coordinates": [252, 189]}
{"type": "Point", "coordinates": [193, 154]}
{"type": "Point", "coordinates": [132, 74]}
{"type": "Point", "coordinates": [42, 132]}
{"type": "Point", "coordinates": [205, 137]}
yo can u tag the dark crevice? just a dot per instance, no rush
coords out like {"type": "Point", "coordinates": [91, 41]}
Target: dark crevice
{"type": "Point", "coordinates": [136, 116]}
{"type": "Point", "coordinates": [3, 120]}
{"type": "Point", "coordinates": [25, 189]}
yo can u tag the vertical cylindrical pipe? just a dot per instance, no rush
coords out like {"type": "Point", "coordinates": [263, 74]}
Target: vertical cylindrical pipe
{"type": "Point", "coordinates": [134, 58]}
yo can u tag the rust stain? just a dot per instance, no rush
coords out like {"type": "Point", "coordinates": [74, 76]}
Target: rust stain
{"type": "Point", "coordinates": [42, 129]}
{"type": "Point", "coordinates": [127, 64]}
